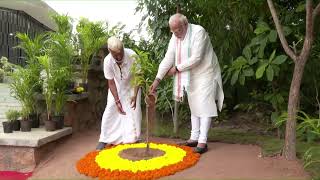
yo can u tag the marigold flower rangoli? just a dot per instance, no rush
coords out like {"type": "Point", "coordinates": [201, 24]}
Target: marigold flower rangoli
{"type": "Point", "coordinates": [111, 163]}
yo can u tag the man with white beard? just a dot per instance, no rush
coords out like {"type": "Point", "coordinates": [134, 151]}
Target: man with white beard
{"type": "Point", "coordinates": [121, 119]}
{"type": "Point", "coordinates": [193, 63]}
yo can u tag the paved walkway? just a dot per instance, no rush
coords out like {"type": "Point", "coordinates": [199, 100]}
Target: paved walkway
{"type": "Point", "coordinates": [222, 161]}
{"type": "Point", "coordinates": [6, 102]}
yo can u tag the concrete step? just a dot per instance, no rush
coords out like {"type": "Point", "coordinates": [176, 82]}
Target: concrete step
{"type": "Point", "coordinates": [6, 108]}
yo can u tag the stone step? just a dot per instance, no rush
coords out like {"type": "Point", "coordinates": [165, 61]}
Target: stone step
{"type": "Point", "coordinates": [6, 108]}
{"type": "Point", "coordinates": [9, 103]}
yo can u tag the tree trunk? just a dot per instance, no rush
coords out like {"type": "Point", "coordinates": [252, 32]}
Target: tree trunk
{"type": "Point", "coordinates": [175, 117]}
{"type": "Point", "coordinates": [290, 140]}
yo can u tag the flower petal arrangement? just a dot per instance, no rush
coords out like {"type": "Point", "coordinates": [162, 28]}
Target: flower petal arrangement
{"type": "Point", "coordinates": [109, 164]}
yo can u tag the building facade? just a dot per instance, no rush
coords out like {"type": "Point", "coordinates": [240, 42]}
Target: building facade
{"type": "Point", "coordinates": [20, 20]}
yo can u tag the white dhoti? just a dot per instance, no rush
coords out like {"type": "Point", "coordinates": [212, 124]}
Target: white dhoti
{"type": "Point", "coordinates": [115, 127]}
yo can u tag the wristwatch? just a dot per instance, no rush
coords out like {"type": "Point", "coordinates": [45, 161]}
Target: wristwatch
{"type": "Point", "coordinates": [157, 79]}
{"type": "Point", "coordinates": [177, 69]}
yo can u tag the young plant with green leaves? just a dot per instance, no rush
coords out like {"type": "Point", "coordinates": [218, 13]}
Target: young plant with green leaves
{"type": "Point", "coordinates": [308, 128]}
{"type": "Point", "coordinates": [23, 88]}
{"type": "Point", "coordinates": [24, 113]}
{"type": "Point", "coordinates": [48, 82]}
{"type": "Point", "coordinates": [61, 76]}
{"type": "Point", "coordinates": [61, 51]}
{"type": "Point", "coordinates": [312, 157]}
{"type": "Point", "coordinates": [64, 24]}
{"type": "Point", "coordinates": [144, 70]}
{"type": "Point", "coordinates": [33, 47]}
{"type": "Point", "coordinates": [91, 36]}
{"type": "Point", "coordinates": [12, 115]}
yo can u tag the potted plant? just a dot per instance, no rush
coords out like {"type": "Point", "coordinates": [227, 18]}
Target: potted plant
{"type": "Point", "coordinates": [91, 36]}
{"type": "Point", "coordinates": [60, 83]}
{"type": "Point", "coordinates": [142, 69]}
{"type": "Point", "coordinates": [32, 47]}
{"type": "Point", "coordinates": [22, 88]}
{"type": "Point", "coordinates": [58, 117]}
{"type": "Point", "coordinates": [12, 116]}
{"type": "Point", "coordinates": [7, 126]}
{"type": "Point", "coordinates": [47, 77]}
{"type": "Point", "coordinates": [25, 123]}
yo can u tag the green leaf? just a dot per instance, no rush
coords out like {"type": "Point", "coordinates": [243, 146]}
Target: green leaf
{"type": "Point", "coordinates": [270, 73]}
{"type": "Point", "coordinates": [301, 8]}
{"type": "Point", "coordinates": [274, 116]}
{"type": "Point", "coordinates": [239, 62]}
{"type": "Point", "coordinates": [287, 30]}
{"type": "Point", "coordinates": [235, 77]}
{"type": "Point", "coordinates": [253, 60]}
{"type": "Point", "coordinates": [276, 69]}
{"type": "Point", "coordinates": [267, 97]}
{"type": "Point", "coordinates": [242, 79]}
{"type": "Point", "coordinates": [273, 36]}
{"type": "Point", "coordinates": [272, 55]}
{"type": "Point", "coordinates": [261, 28]}
{"type": "Point", "coordinates": [260, 70]}
{"type": "Point", "coordinates": [261, 48]}
{"type": "Point", "coordinates": [280, 98]}
{"type": "Point", "coordinates": [247, 52]}
{"type": "Point", "coordinates": [279, 59]}
{"type": "Point", "coordinates": [248, 72]}
{"type": "Point", "coordinates": [256, 40]}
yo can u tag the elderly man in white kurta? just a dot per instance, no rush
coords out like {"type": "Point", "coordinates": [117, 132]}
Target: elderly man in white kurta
{"type": "Point", "coordinates": [121, 119]}
{"type": "Point", "coordinates": [193, 63]}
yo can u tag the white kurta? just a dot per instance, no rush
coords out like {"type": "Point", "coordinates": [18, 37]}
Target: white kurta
{"type": "Point", "coordinates": [205, 84]}
{"type": "Point", "coordinates": [117, 128]}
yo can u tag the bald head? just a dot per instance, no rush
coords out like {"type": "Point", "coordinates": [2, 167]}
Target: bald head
{"type": "Point", "coordinates": [178, 18]}
{"type": "Point", "coordinates": [178, 24]}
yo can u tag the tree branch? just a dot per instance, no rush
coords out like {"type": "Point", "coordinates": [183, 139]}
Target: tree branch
{"type": "Point", "coordinates": [309, 32]}
{"type": "Point", "coordinates": [282, 38]}
{"type": "Point", "coordinates": [316, 12]}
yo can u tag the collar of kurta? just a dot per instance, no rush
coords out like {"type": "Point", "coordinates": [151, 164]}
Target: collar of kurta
{"type": "Point", "coordinates": [125, 58]}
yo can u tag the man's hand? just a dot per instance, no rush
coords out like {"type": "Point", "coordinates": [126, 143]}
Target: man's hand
{"type": "Point", "coordinates": [133, 101]}
{"type": "Point", "coordinates": [172, 71]}
{"type": "Point", "coordinates": [119, 108]}
{"type": "Point", "coordinates": [153, 87]}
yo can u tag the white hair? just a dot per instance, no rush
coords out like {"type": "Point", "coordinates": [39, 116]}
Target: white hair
{"type": "Point", "coordinates": [180, 17]}
{"type": "Point", "coordinates": [114, 44]}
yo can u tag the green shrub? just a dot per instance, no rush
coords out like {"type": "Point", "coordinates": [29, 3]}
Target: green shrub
{"type": "Point", "coordinates": [12, 115]}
